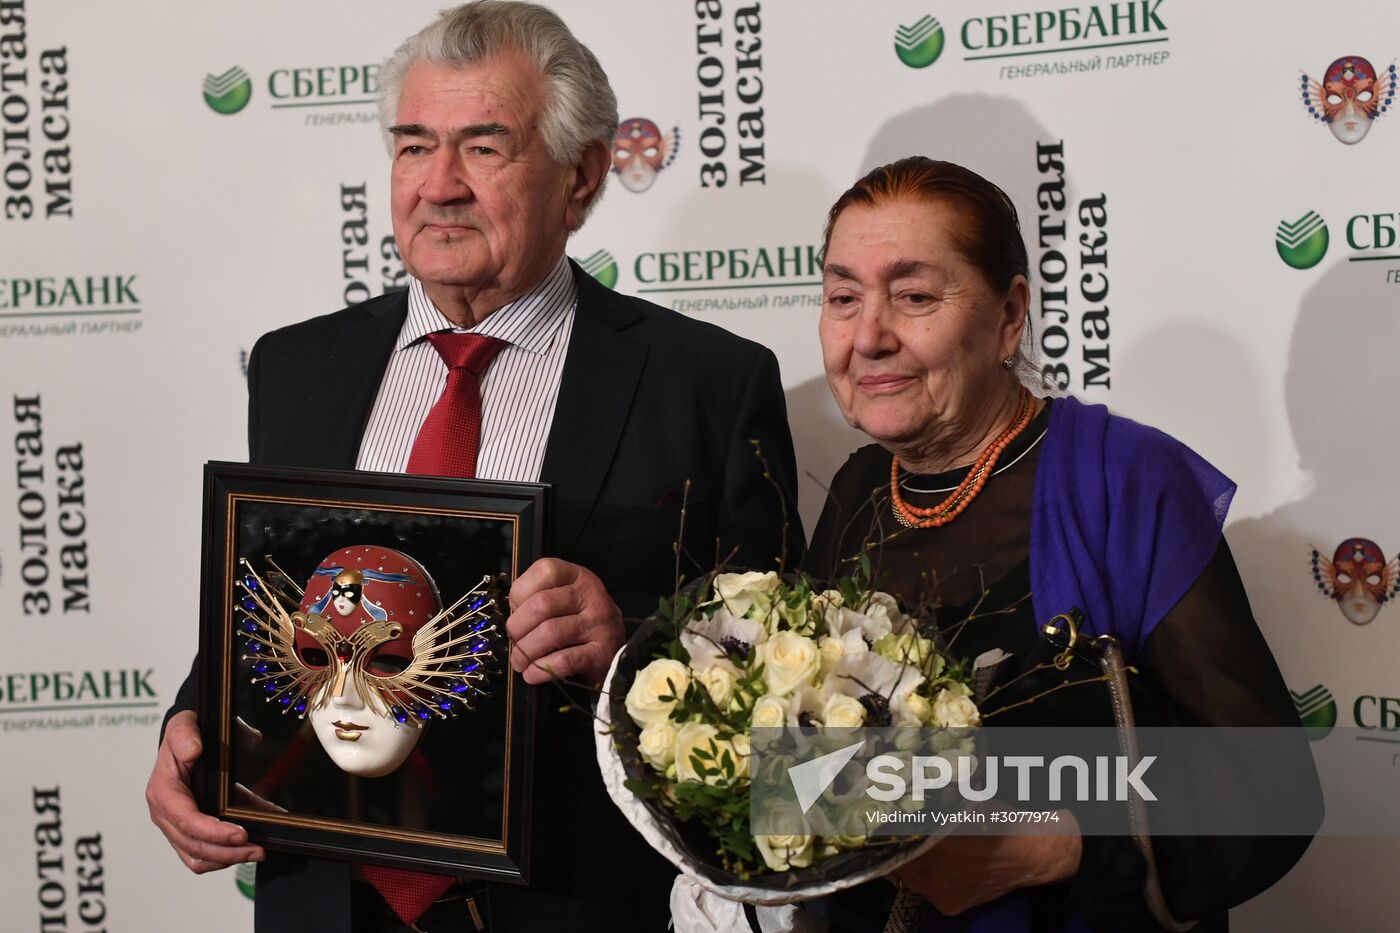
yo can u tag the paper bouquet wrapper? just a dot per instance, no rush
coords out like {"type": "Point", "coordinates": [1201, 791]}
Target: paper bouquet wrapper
{"type": "Point", "coordinates": [618, 760]}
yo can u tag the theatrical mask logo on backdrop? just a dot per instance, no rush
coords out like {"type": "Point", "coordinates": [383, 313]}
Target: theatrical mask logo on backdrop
{"type": "Point", "coordinates": [1358, 578]}
{"type": "Point", "coordinates": [641, 152]}
{"type": "Point", "coordinates": [1350, 96]}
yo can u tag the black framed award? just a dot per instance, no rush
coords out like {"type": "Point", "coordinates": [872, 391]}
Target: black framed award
{"type": "Point", "coordinates": [355, 696]}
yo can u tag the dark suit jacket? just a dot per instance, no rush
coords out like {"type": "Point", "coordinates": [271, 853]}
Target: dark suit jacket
{"type": "Point", "coordinates": [649, 399]}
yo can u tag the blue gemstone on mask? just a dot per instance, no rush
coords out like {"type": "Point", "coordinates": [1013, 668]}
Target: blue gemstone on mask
{"type": "Point", "coordinates": [270, 686]}
{"type": "Point", "coordinates": [480, 601]}
{"type": "Point", "coordinates": [424, 712]}
{"type": "Point", "coordinates": [399, 715]}
{"type": "Point", "coordinates": [479, 646]}
{"type": "Point", "coordinates": [478, 626]}
{"type": "Point", "coordinates": [250, 626]}
{"type": "Point", "coordinates": [468, 668]}
{"type": "Point", "coordinates": [285, 701]}
{"type": "Point", "coordinates": [249, 604]}
{"type": "Point", "coordinates": [260, 667]}
{"type": "Point", "coordinates": [301, 707]}
{"type": "Point", "coordinates": [250, 582]}
{"type": "Point", "coordinates": [463, 687]}
{"type": "Point", "coordinates": [445, 705]}
{"type": "Point", "coordinates": [253, 647]}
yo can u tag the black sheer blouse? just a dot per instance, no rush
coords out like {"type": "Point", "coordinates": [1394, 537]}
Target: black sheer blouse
{"type": "Point", "coordinates": [1206, 661]}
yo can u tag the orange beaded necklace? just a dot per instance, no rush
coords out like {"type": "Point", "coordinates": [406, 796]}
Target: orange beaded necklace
{"type": "Point", "coordinates": [911, 516]}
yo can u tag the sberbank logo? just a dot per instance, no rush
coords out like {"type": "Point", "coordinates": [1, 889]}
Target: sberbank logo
{"type": "Point", "coordinates": [1303, 242]}
{"type": "Point", "coordinates": [229, 92]}
{"type": "Point", "coordinates": [602, 266]}
{"type": "Point", "coordinates": [920, 44]}
{"type": "Point", "coordinates": [246, 877]}
{"type": "Point", "coordinates": [1317, 710]}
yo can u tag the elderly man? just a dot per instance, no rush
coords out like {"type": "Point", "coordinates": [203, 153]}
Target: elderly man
{"type": "Point", "coordinates": [504, 361]}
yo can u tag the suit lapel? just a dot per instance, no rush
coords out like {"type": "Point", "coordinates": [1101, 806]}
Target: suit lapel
{"type": "Point", "coordinates": [355, 368]}
{"type": "Point", "coordinates": [601, 372]}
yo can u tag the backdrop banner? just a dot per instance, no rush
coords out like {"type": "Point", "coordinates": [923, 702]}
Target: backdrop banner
{"type": "Point", "coordinates": [1214, 244]}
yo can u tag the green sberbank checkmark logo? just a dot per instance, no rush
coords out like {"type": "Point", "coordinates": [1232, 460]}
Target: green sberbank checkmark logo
{"type": "Point", "coordinates": [919, 45]}
{"type": "Point", "coordinates": [229, 92]}
{"type": "Point", "coordinates": [602, 266]}
{"type": "Point", "coordinates": [1302, 243]}
{"type": "Point", "coordinates": [1317, 709]}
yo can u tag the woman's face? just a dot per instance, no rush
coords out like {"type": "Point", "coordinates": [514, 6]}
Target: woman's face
{"type": "Point", "coordinates": [912, 335]}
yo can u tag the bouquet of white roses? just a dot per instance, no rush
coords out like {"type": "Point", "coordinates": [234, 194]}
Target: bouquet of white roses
{"type": "Point", "coordinates": [738, 651]}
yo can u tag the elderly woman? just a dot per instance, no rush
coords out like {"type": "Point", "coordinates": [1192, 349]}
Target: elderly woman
{"type": "Point", "coordinates": [979, 493]}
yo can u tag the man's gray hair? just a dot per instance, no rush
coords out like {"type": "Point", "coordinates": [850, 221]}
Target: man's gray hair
{"type": "Point", "coordinates": [580, 105]}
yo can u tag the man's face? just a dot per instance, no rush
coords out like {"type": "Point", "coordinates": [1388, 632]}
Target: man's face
{"type": "Point", "coordinates": [478, 202]}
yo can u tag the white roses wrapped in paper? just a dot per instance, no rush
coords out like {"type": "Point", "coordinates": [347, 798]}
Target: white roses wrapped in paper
{"type": "Point", "coordinates": [738, 651]}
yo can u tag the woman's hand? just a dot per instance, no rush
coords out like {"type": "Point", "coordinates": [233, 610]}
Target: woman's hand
{"type": "Point", "coordinates": [961, 872]}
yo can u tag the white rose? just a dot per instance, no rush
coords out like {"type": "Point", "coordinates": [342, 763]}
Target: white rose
{"type": "Point", "coordinates": [835, 648]}
{"type": "Point", "coordinates": [853, 828]}
{"type": "Point", "coordinates": [740, 590]}
{"type": "Point", "coordinates": [918, 706]}
{"type": "Point", "coordinates": [832, 650]}
{"type": "Point", "coordinates": [719, 682]}
{"type": "Point", "coordinates": [770, 712]}
{"type": "Point", "coordinates": [697, 736]}
{"type": "Point", "coordinates": [789, 661]}
{"type": "Point", "coordinates": [792, 846]}
{"type": "Point", "coordinates": [657, 744]}
{"type": "Point", "coordinates": [644, 703]}
{"type": "Point", "coordinates": [843, 712]}
{"type": "Point", "coordinates": [953, 711]}
{"type": "Point", "coordinates": [828, 603]}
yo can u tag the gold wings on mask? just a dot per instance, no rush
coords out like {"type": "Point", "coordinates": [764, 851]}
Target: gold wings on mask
{"type": "Point", "coordinates": [452, 661]}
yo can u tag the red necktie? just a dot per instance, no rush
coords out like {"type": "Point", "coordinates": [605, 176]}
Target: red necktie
{"type": "Point", "coordinates": [409, 893]}
{"type": "Point", "coordinates": [446, 445]}
{"type": "Point", "coordinates": [448, 441]}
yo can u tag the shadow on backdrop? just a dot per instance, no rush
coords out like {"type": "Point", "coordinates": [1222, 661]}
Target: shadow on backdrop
{"type": "Point", "coordinates": [1339, 391]}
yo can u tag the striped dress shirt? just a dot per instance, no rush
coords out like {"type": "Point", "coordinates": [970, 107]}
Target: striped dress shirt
{"type": "Point", "coordinates": [518, 390]}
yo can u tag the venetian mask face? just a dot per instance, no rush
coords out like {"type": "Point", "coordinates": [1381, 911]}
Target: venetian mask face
{"type": "Point", "coordinates": [1358, 578]}
{"type": "Point", "coordinates": [1349, 100]}
{"type": "Point", "coordinates": [640, 152]}
{"type": "Point", "coordinates": [1360, 570]}
{"type": "Point", "coordinates": [360, 740]}
{"type": "Point", "coordinates": [346, 592]}
{"type": "Point", "coordinates": [368, 652]}
{"type": "Point", "coordinates": [379, 599]}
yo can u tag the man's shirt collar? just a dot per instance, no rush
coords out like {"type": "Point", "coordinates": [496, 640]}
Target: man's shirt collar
{"type": "Point", "coordinates": [529, 322]}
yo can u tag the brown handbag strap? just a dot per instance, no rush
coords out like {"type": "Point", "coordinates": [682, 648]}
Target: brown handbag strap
{"type": "Point", "coordinates": [1116, 675]}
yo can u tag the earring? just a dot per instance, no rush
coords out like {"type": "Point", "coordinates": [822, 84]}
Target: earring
{"type": "Point", "coordinates": [1009, 362]}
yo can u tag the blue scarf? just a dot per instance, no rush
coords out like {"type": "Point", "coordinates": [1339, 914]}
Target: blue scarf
{"type": "Point", "coordinates": [1124, 519]}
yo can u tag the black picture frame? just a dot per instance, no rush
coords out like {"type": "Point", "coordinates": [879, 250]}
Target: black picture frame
{"type": "Point", "coordinates": [460, 803]}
